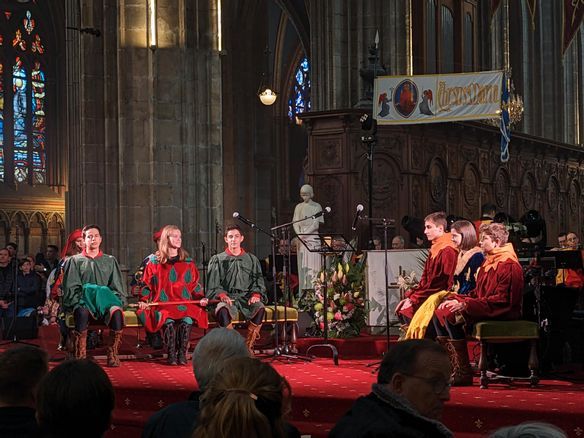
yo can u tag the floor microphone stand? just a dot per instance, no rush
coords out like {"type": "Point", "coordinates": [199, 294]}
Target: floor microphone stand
{"type": "Point", "coordinates": [386, 224]}
{"type": "Point", "coordinates": [285, 351]}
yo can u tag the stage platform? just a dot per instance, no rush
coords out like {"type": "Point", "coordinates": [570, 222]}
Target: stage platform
{"type": "Point", "coordinates": [323, 392]}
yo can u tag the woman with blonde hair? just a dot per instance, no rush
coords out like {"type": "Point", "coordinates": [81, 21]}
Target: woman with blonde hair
{"type": "Point", "coordinates": [248, 398]}
{"type": "Point", "coordinates": [171, 285]}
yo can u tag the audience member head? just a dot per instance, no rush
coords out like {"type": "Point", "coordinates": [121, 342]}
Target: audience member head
{"type": "Point", "coordinates": [562, 239]}
{"type": "Point", "coordinates": [4, 257]}
{"type": "Point", "coordinates": [21, 370]}
{"type": "Point", "coordinates": [75, 399]}
{"type": "Point", "coordinates": [493, 236]}
{"type": "Point", "coordinates": [74, 244]}
{"type": "Point", "coordinates": [435, 225]}
{"type": "Point", "coordinates": [415, 228]}
{"type": "Point", "coordinates": [25, 266]}
{"type": "Point", "coordinates": [52, 253]}
{"type": "Point", "coordinates": [247, 398]}
{"type": "Point", "coordinates": [170, 239]}
{"type": "Point", "coordinates": [12, 249]}
{"type": "Point", "coordinates": [488, 210]}
{"type": "Point", "coordinates": [418, 370]}
{"type": "Point", "coordinates": [377, 244]}
{"type": "Point", "coordinates": [529, 430]}
{"type": "Point", "coordinates": [398, 242]}
{"type": "Point", "coordinates": [213, 350]}
{"type": "Point", "coordinates": [572, 240]}
{"type": "Point", "coordinates": [464, 235]}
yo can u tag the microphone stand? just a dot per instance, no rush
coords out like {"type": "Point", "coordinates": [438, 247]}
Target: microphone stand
{"type": "Point", "coordinates": [386, 224]}
{"type": "Point", "coordinates": [286, 266]}
{"type": "Point", "coordinates": [12, 324]}
{"type": "Point", "coordinates": [277, 351]}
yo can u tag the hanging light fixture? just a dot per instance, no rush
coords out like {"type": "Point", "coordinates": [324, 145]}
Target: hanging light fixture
{"type": "Point", "coordinates": [265, 93]}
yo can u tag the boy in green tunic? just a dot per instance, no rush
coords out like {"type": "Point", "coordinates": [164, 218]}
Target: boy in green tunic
{"type": "Point", "coordinates": [93, 286]}
{"type": "Point", "coordinates": [235, 278]}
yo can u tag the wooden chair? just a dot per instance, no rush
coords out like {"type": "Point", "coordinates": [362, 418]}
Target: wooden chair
{"type": "Point", "coordinates": [498, 332]}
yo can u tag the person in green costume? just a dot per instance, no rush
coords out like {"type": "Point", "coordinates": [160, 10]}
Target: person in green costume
{"type": "Point", "coordinates": [93, 287]}
{"type": "Point", "coordinates": [235, 277]}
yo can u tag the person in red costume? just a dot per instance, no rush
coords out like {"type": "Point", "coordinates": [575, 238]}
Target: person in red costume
{"type": "Point", "coordinates": [171, 283]}
{"type": "Point", "coordinates": [438, 270]}
{"type": "Point", "coordinates": [497, 296]}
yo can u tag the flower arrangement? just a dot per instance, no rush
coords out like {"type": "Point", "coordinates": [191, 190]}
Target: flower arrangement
{"type": "Point", "coordinates": [406, 281]}
{"type": "Point", "coordinates": [344, 297]}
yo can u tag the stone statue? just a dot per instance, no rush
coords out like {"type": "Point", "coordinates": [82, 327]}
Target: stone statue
{"type": "Point", "coordinates": [309, 263]}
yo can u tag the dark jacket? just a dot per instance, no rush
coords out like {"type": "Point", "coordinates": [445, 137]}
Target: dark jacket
{"type": "Point", "coordinates": [18, 422]}
{"type": "Point", "coordinates": [6, 280]}
{"type": "Point", "coordinates": [29, 290]}
{"type": "Point", "coordinates": [383, 414]}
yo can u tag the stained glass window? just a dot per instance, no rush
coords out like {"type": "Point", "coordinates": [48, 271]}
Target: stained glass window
{"type": "Point", "coordinates": [22, 96]}
{"type": "Point", "coordinates": [299, 101]}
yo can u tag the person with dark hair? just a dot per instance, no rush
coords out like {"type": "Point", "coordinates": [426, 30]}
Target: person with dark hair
{"type": "Point", "coordinates": [536, 234]}
{"type": "Point", "coordinates": [7, 278]}
{"type": "Point", "coordinates": [413, 383]}
{"type": "Point", "coordinates": [75, 399]}
{"type": "Point", "coordinates": [211, 353]}
{"type": "Point", "coordinates": [247, 398]}
{"type": "Point", "coordinates": [93, 286]}
{"type": "Point", "coordinates": [562, 240]}
{"type": "Point", "coordinates": [497, 296]}
{"type": "Point", "coordinates": [470, 258]}
{"type": "Point", "coordinates": [235, 277]}
{"type": "Point", "coordinates": [415, 228]}
{"type": "Point", "coordinates": [12, 249]}
{"type": "Point", "coordinates": [438, 269]}
{"type": "Point", "coordinates": [30, 295]}
{"type": "Point", "coordinates": [21, 370]}
{"type": "Point", "coordinates": [171, 281]}
{"type": "Point", "coordinates": [51, 259]}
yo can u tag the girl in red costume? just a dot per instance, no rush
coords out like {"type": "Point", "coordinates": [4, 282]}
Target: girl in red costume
{"type": "Point", "coordinates": [171, 283]}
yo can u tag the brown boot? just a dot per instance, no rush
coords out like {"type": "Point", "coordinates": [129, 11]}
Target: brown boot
{"type": "Point", "coordinates": [113, 348]}
{"type": "Point", "coordinates": [79, 344]}
{"type": "Point", "coordinates": [253, 334]}
{"type": "Point", "coordinates": [461, 370]}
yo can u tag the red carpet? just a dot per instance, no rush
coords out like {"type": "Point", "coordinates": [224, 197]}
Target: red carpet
{"type": "Point", "coordinates": [322, 393]}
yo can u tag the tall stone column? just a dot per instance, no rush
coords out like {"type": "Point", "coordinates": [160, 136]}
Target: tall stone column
{"type": "Point", "coordinates": [144, 131]}
{"type": "Point", "coordinates": [341, 32]}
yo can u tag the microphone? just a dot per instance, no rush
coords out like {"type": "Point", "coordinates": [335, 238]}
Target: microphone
{"type": "Point", "coordinates": [326, 210]}
{"type": "Point", "coordinates": [236, 215]}
{"type": "Point", "coordinates": [357, 216]}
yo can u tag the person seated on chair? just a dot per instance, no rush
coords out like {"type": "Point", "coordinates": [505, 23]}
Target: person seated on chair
{"type": "Point", "coordinates": [497, 296]}
{"type": "Point", "coordinates": [93, 286]}
{"type": "Point", "coordinates": [153, 339]}
{"type": "Point", "coordinates": [413, 383]}
{"type": "Point", "coordinates": [6, 281]}
{"type": "Point", "coordinates": [171, 283]}
{"type": "Point", "coordinates": [235, 278]}
{"type": "Point", "coordinates": [21, 370]}
{"type": "Point", "coordinates": [30, 294]}
{"type": "Point", "coordinates": [438, 270]}
{"type": "Point", "coordinates": [470, 258]}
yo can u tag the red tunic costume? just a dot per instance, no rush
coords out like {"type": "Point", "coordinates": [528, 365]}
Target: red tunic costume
{"type": "Point", "coordinates": [438, 272]}
{"type": "Point", "coordinates": [167, 283]}
{"type": "Point", "coordinates": [499, 290]}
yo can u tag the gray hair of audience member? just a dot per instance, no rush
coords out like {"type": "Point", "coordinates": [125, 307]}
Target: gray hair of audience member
{"type": "Point", "coordinates": [529, 430]}
{"type": "Point", "coordinates": [217, 346]}
{"type": "Point", "coordinates": [403, 358]}
{"type": "Point", "coordinates": [21, 370]}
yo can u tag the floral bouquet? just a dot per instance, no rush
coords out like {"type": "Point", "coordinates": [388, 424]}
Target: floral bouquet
{"type": "Point", "coordinates": [344, 299]}
{"type": "Point", "coordinates": [406, 281]}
